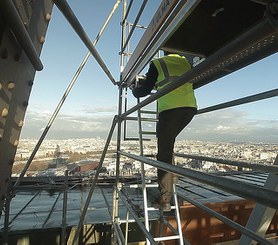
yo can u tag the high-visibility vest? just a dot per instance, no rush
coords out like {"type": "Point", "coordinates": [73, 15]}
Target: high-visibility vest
{"type": "Point", "coordinates": [170, 67]}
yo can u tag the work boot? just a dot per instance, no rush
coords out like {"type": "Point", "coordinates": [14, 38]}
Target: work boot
{"type": "Point", "coordinates": [163, 203]}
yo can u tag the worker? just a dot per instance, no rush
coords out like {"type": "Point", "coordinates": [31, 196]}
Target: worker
{"type": "Point", "coordinates": [176, 110]}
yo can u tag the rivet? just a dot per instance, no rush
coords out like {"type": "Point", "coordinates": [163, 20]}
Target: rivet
{"type": "Point", "coordinates": [16, 143]}
{"type": "Point", "coordinates": [10, 85]}
{"type": "Point", "coordinates": [25, 103]}
{"type": "Point", "coordinates": [20, 123]}
{"type": "Point", "coordinates": [5, 112]}
{"type": "Point", "coordinates": [48, 17]}
{"type": "Point", "coordinates": [42, 39]}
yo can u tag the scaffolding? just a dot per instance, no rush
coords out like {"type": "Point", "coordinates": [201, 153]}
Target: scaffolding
{"type": "Point", "coordinates": [241, 45]}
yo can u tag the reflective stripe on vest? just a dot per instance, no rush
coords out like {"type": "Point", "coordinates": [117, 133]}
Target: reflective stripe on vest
{"type": "Point", "coordinates": [167, 76]}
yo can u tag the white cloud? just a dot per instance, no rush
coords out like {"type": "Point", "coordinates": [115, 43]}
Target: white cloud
{"type": "Point", "coordinates": [224, 125]}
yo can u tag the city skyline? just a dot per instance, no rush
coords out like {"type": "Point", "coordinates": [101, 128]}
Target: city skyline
{"type": "Point", "coordinates": [92, 104]}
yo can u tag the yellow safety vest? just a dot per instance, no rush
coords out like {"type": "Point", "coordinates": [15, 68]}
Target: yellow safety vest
{"type": "Point", "coordinates": [170, 67]}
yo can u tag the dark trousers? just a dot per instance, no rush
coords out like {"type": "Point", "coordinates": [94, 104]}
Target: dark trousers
{"type": "Point", "coordinates": [170, 124]}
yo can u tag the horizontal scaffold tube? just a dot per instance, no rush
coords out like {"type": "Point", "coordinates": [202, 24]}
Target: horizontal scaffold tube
{"type": "Point", "coordinates": [261, 195]}
{"type": "Point", "coordinates": [256, 166]}
{"type": "Point", "coordinates": [215, 61]}
{"type": "Point", "coordinates": [226, 220]}
{"type": "Point", "coordinates": [244, 100]}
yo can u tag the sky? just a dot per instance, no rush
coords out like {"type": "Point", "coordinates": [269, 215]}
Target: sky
{"type": "Point", "coordinates": [90, 107]}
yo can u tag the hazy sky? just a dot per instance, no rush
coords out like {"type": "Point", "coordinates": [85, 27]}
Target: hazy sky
{"type": "Point", "coordinates": [90, 107]}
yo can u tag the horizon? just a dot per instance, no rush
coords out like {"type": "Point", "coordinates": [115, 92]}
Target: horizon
{"type": "Point", "coordinates": [152, 140]}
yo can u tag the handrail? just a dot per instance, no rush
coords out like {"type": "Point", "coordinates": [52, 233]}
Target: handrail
{"type": "Point", "coordinates": [133, 27]}
{"type": "Point", "coordinates": [263, 168]}
{"type": "Point", "coordinates": [13, 19]}
{"type": "Point", "coordinates": [226, 220]}
{"type": "Point", "coordinates": [127, 12]}
{"type": "Point", "coordinates": [244, 100]}
{"type": "Point", "coordinates": [258, 194]}
{"type": "Point", "coordinates": [215, 61]}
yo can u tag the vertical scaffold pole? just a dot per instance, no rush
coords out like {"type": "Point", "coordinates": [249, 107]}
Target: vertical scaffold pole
{"type": "Point", "coordinates": [64, 216]}
{"type": "Point", "coordinates": [144, 190]}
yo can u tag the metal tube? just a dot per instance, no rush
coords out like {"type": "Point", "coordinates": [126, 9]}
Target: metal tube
{"type": "Point", "coordinates": [256, 34]}
{"type": "Point", "coordinates": [144, 190]}
{"type": "Point", "coordinates": [19, 30]}
{"type": "Point", "coordinates": [261, 195]}
{"type": "Point", "coordinates": [119, 232]}
{"type": "Point", "coordinates": [178, 218]}
{"type": "Point", "coordinates": [115, 213]}
{"type": "Point", "coordinates": [65, 95]}
{"type": "Point", "coordinates": [91, 191]}
{"type": "Point", "coordinates": [126, 226]}
{"type": "Point", "coordinates": [134, 25]}
{"type": "Point", "coordinates": [216, 60]}
{"type": "Point", "coordinates": [226, 220]}
{"type": "Point", "coordinates": [72, 19]}
{"type": "Point", "coordinates": [244, 100]}
{"type": "Point", "coordinates": [51, 211]}
{"type": "Point", "coordinates": [127, 11]}
{"type": "Point", "coordinates": [64, 215]}
{"type": "Point", "coordinates": [123, 40]}
{"type": "Point", "coordinates": [268, 168]}
{"type": "Point", "coordinates": [138, 221]}
{"type": "Point", "coordinates": [6, 220]}
{"type": "Point", "coordinates": [25, 206]}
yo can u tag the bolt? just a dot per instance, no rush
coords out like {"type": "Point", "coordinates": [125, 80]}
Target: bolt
{"type": "Point", "coordinates": [10, 85]}
{"type": "Point", "coordinates": [20, 123]}
{"type": "Point", "coordinates": [5, 112]}
{"type": "Point", "coordinates": [48, 17]}
{"type": "Point", "coordinates": [42, 39]}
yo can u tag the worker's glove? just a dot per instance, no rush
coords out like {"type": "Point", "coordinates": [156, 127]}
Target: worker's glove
{"type": "Point", "coordinates": [140, 79]}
